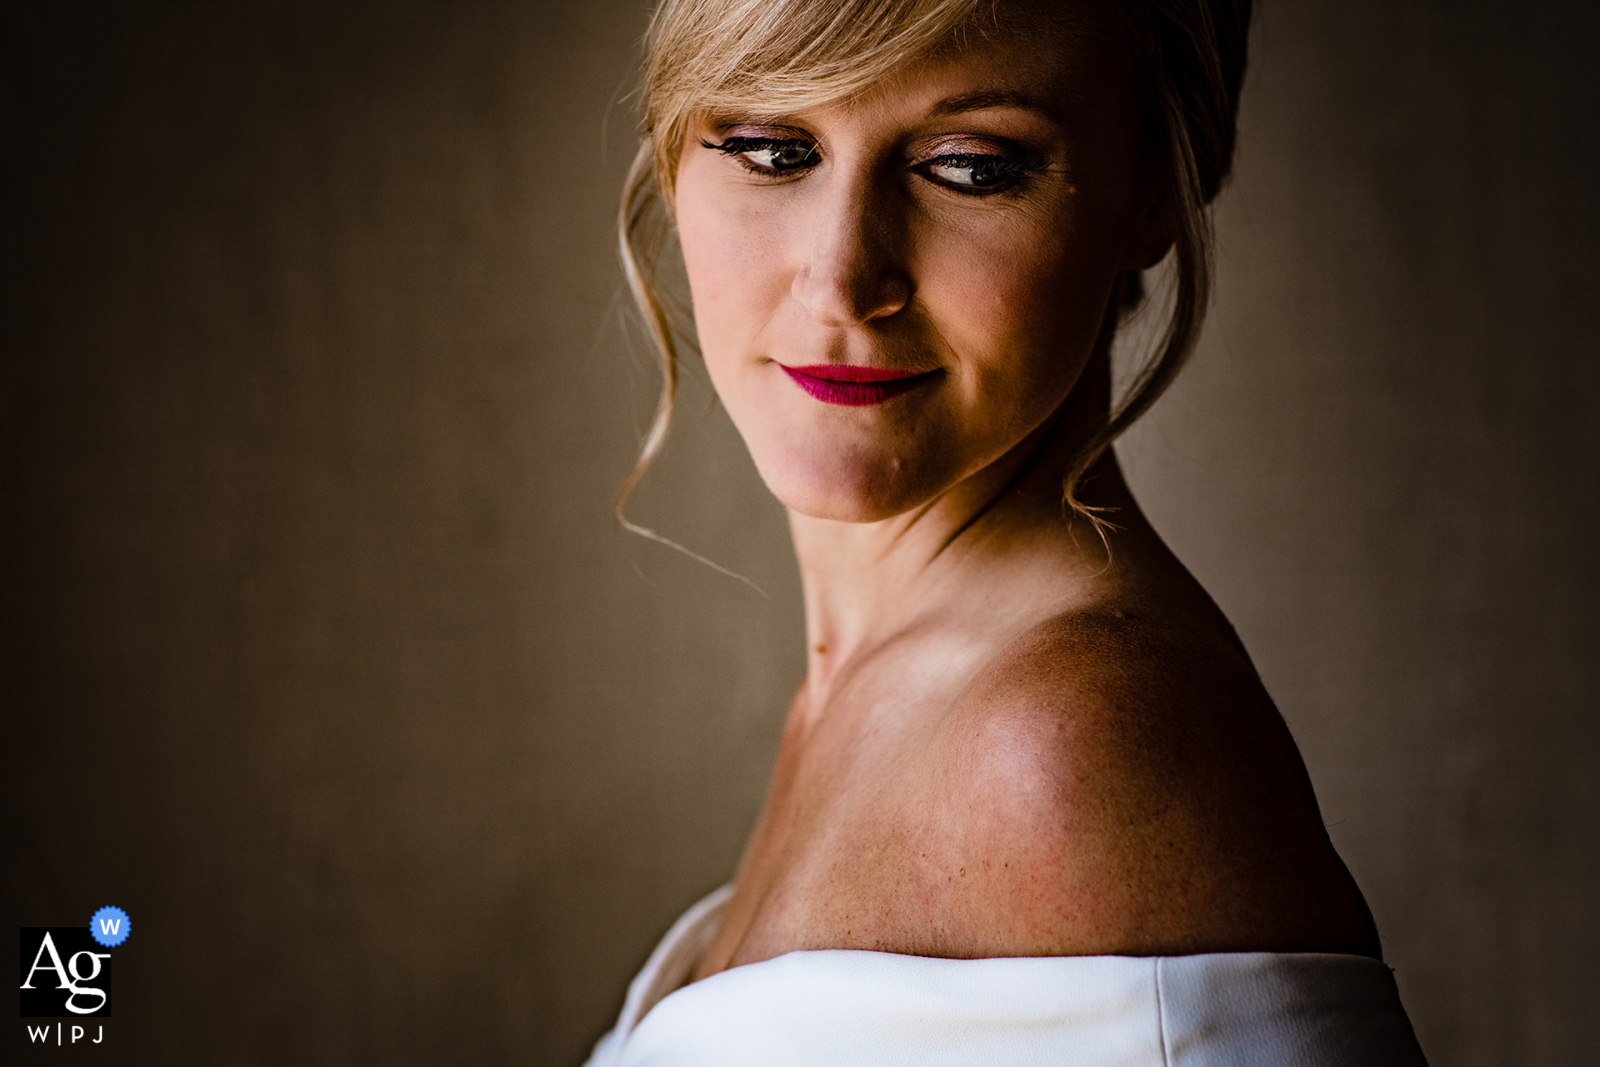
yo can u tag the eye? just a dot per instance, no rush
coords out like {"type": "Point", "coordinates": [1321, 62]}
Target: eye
{"type": "Point", "coordinates": [769, 155]}
{"type": "Point", "coordinates": [974, 174]}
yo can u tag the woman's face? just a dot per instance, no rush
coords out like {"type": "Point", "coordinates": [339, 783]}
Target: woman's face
{"type": "Point", "coordinates": [893, 294]}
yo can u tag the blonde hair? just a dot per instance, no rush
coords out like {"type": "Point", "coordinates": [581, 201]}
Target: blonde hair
{"type": "Point", "coordinates": [786, 55]}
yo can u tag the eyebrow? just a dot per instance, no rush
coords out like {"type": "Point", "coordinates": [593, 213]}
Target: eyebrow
{"type": "Point", "coordinates": [986, 99]}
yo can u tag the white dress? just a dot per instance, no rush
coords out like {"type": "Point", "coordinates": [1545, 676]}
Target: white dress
{"type": "Point", "coordinates": [837, 1008]}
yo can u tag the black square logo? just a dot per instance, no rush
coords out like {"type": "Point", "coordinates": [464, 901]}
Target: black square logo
{"type": "Point", "coordinates": [64, 974]}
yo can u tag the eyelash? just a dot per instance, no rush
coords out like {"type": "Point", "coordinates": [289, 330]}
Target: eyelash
{"type": "Point", "coordinates": [1011, 168]}
{"type": "Point", "coordinates": [740, 147]}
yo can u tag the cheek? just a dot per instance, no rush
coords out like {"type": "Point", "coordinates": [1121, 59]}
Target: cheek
{"type": "Point", "coordinates": [1021, 306]}
{"type": "Point", "coordinates": [734, 265]}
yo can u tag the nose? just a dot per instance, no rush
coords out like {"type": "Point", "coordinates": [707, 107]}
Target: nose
{"type": "Point", "coordinates": [852, 270]}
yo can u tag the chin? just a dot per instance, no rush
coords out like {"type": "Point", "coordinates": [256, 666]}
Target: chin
{"type": "Point", "coordinates": [846, 490]}
{"type": "Point", "coordinates": [840, 508]}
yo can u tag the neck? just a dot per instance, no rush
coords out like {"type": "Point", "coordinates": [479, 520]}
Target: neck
{"type": "Point", "coordinates": [865, 583]}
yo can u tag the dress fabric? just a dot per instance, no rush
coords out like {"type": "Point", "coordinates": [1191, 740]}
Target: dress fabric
{"type": "Point", "coordinates": [845, 1007]}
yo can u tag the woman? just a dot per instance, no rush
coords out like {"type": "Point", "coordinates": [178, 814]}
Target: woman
{"type": "Point", "coordinates": [1031, 800]}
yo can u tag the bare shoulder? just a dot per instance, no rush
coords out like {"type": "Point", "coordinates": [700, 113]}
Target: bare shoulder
{"type": "Point", "coordinates": [1113, 782]}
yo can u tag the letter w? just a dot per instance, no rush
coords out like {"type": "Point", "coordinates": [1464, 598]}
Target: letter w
{"type": "Point", "coordinates": [110, 926]}
{"type": "Point", "coordinates": [41, 1034]}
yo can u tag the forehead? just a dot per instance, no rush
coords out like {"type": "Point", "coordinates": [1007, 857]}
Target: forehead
{"type": "Point", "coordinates": [1049, 60]}
{"type": "Point", "coordinates": [795, 53]}
{"type": "Point", "coordinates": [1028, 56]}
{"type": "Point", "coordinates": [1049, 56]}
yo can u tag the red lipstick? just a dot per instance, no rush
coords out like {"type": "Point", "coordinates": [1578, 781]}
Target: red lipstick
{"type": "Point", "coordinates": [835, 383]}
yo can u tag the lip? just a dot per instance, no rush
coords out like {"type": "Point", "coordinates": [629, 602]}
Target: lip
{"type": "Point", "coordinates": [852, 386]}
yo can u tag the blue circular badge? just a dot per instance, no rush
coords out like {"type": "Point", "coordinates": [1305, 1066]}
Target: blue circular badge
{"type": "Point", "coordinates": [109, 927]}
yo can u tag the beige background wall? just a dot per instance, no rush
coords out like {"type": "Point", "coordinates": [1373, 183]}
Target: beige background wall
{"type": "Point", "coordinates": [325, 660]}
